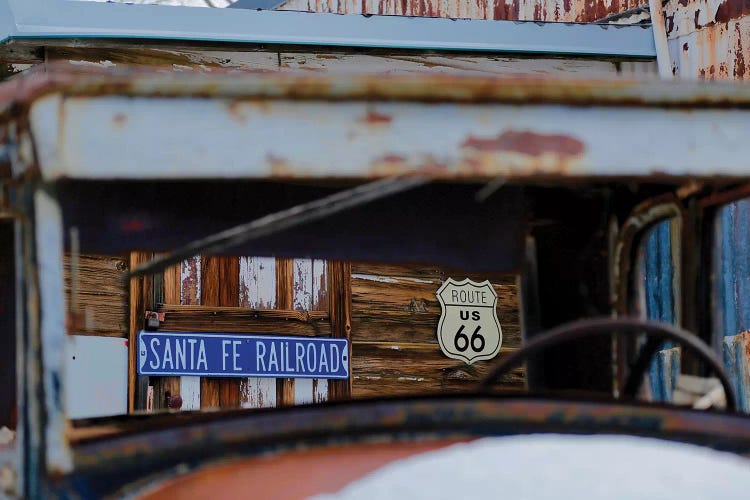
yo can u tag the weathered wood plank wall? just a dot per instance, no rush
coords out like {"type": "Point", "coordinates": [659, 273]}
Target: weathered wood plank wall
{"type": "Point", "coordinates": [394, 322]}
{"type": "Point", "coordinates": [102, 297]}
{"type": "Point", "coordinates": [243, 59]}
{"type": "Point", "coordinates": [390, 312]}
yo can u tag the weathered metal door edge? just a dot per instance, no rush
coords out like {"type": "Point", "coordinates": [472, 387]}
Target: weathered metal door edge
{"type": "Point", "coordinates": [29, 19]}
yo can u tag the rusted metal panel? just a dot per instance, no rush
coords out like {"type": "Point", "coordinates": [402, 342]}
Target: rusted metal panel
{"type": "Point", "coordinates": [582, 11]}
{"type": "Point", "coordinates": [49, 262]}
{"type": "Point", "coordinates": [709, 39]}
{"type": "Point", "coordinates": [737, 361]}
{"type": "Point", "coordinates": [314, 471]}
{"type": "Point", "coordinates": [484, 141]}
{"type": "Point", "coordinates": [460, 417]}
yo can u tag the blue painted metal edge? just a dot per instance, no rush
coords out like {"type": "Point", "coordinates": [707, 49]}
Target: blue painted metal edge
{"type": "Point", "coordinates": [29, 19]}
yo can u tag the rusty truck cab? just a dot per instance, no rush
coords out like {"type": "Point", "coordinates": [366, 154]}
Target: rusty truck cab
{"type": "Point", "coordinates": [147, 209]}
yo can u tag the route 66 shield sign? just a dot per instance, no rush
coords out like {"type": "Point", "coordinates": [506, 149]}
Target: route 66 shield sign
{"type": "Point", "coordinates": [468, 329]}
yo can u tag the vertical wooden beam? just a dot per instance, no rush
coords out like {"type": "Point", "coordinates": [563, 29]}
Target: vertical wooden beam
{"type": "Point", "coordinates": [340, 309]}
{"type": "Point", "coordinates": [258, 290]}
{"type": "Point", "coordinates": [229, 296]}
{"type": "Point", "coordinates": [284, 300]}
{"type": "Point", "coordinates": [210, 297]}
{"type": "Point", "coordinates": [170, 386]}
{"type": "Point", "coordinates": [220, 278]}
{"type": "Point", "coordinates": [141, 294]}
{"type": "Point", "coordinates": [172, 285]}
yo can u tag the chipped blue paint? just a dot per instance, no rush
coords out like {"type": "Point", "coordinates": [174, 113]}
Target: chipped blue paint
{"type": "Point", "coordinates": [733, 290]}
{"type": "Point", "coordinates": [658, 279]}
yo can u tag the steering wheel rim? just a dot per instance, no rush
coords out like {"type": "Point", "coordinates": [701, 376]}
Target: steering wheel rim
{"type": "Point", "coordinates": [599, 327]}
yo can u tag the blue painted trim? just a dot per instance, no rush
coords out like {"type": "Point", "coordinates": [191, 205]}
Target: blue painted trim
{"type": "Point", "coordinates": [658, 278]}
{"type": "Point", "coordinates": [7, 24]}
{"type": "Point", "coordinates": [74, 19]}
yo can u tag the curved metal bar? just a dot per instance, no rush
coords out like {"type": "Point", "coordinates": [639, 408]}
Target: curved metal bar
{"type": "Point", "coordinates": [608, 326]}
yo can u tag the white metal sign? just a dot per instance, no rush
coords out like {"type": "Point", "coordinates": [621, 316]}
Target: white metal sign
{"type": "Point", "coordinates": [468, 329]}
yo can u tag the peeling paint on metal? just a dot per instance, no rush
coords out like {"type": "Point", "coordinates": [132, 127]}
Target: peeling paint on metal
{"type": "Point", "coordinates": [709, 39]}
{"type": "Point", "coordinates": [527, 143]}
{"type": "Point", "coordinates": [506, 10]}
{"type": "Point", "coordinates": [49, 251]}
{"type": "Point", "coordinates": [737, 362]}
{"type": "Point", "coordinates": [483, 140]}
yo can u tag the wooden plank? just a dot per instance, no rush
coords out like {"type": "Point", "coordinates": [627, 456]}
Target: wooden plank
{"type": "Point", "coordinates": [444, 64]}
{"type": "Point", "coordinates": [284, 300]}
{"type": "Point", "coordinates": [403, 309]}
{"type": "Point", "coordinates": [429, 273]}
{"type": "Point", "coordinates": [257, 291]}
{"type": "Point", "coordinates": [258, 393]}
{"type": "Point", "coordinates": [190, 390]}
{"type": "Point", "coordinates": [229, 296]}
{"type": "Point", "coordinates": [101, 295]}
{"type": "Point", "coordinates": [310, 390]}
{"type": "Point", "coordinates": [187, 387]}
{"type": "Point", "coordinates": [340, 309]}
{"type": "Point", "coordinates": [190, 281]}
{"type": "Point", "coordinates": [172, 285]}
{"type": "Point", "coordinates": [179, 59]}
{"type": "Point", "coordinates": [220, 287]}
{"type": "Point", "coordinates": [320, 303]}
{"type": "Point", "coordinates": [210, 297]}
{"type": "Point", "coordinates": [140, 297]}
{"type": "Point", "coordinates": [257, 282]}
{"type": "Point", "coordinates": [373, 385]}
{"type": "Point", "coordinates": [418, 368]}
{"type": "Point", "coordinates": [239, 320]}
{"type": "Point", "coordinates": [310, 287]}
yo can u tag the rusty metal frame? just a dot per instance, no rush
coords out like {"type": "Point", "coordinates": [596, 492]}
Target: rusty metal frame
{"type": "Point", "coordinates": [640, 220]}
{"type": "Point", "coordinates": [494, 132]}
{"type": "Point", "coordinates": [39, 19]}
{"type": "Point", "coordinates": [160, 443]}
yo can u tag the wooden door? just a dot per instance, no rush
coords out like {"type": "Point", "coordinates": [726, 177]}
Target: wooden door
{"type": "Point", "coordinates": [246, 295]}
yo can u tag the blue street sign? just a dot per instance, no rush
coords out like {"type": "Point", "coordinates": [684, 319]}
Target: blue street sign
{"type": "Point", "coordinates": [230, 355]}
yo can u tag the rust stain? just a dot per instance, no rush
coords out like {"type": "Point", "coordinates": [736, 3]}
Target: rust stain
{"type": "Point", "coordinates": [235, 111]}
{"type": "Point", "coordinates": [729, 10]}
{"type": "Point", "coordinates": [739, 56]}
{"type": "Point", "coordinates": [527, 143]}
{"type": "Point", "coordinates": [506, 10]}
{"type": "Point", "coordinates": [374, 118]}
{"type": "Point", "coordinates": [317, 470]}
{"type": "Point", "coordinates": [392, 159]}
{"type": "Point", "coordinates": [119, 119]}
